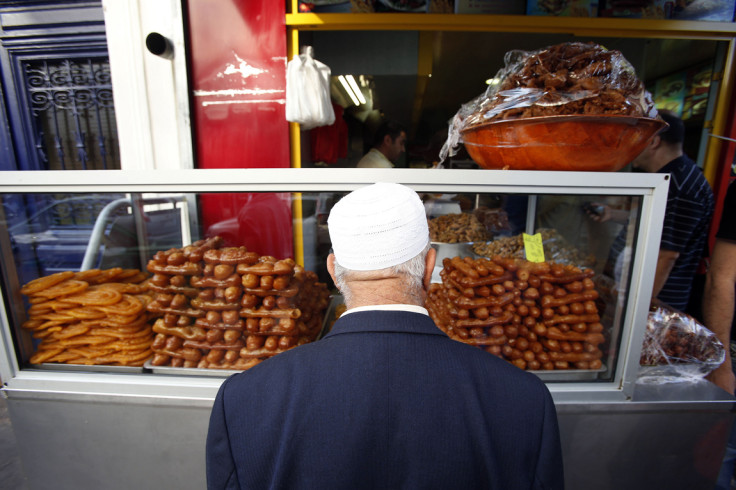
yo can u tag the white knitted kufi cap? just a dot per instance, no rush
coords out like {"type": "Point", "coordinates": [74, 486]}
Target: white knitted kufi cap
{"type": "Point", "coordinates": [378, 226]}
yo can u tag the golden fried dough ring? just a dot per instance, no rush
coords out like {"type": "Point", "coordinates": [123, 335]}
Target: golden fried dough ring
{"type": "Point", "coordinates": [64, 357]}
{"type": "Point", "coordinates": [51, 323]}
{"type": "Point", "coordinates": [124, 287]}
{"type": "Point", "coordinates": [131, 276]}
{"type": "Point", "coordinates": [42, 334]}
{"type": "Point", "coordinates": [45, 282]}
{"type": "Point", "coordinates": [85, 356]}
{"type": "Point", "coordinates": [81, 340]}
{"type": "Point", "coordinates": [44, 355]}
{"type": "Point", "coordinates": [106, 275]}
{"type": "Point", "coordinates": [134, 357]}
{"type": "Point", "coordinates": [94, 296]}
{"type": "Point", "coordinates": [123, 333]}
{"type": "Point", "coordinates": [32, 324]}
{"type": "Point", "coordinates": [115, 320]}
{"type": "Point", "coordinates": [71, 331]}
{"type": "Point", "coordinates": [65, 288]}
{"type": "Point", "coordinates": [131, 358]}
{"type": "Point", "coordinates": [87, 275]}
{"type": "Point", "coordinates": [62, 317]}
{"type": "Point", "coordinates": [128, 305]}
{"type": "Point", "coordinates": [40, 308]}
{"type": "Point", "coordinates": [85, 313]}
{"type": "Point", "coordinates": [128, 345]}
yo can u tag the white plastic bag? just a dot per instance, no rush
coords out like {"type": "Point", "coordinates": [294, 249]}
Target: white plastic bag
{"type": "Point", "coordinates": [308, 91]}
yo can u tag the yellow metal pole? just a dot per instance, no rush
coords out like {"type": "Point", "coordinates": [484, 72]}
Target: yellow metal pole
{"type": "Point", "coordinates": [713, 152]}
{"type": "Point", "coordinates": [296, 161]}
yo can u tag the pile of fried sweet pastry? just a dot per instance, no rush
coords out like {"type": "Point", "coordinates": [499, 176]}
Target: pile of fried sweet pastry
{"type": "Point", "coordinates": [538, 316]}
{"type": "Point", "coordinates": [204, 306]}
{"type": "Point", "coordinates": [90, 317]}
{"type": "Point", "coordinates": [230, 308]}
{"type": "Point", "coordinates": [564, 79]}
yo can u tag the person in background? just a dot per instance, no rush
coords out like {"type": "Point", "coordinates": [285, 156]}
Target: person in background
{"type": "Point", "coordinates": [719, 305]}
{"type": "Point", "coordinates": [687, 216]}
{"type": "Point", "coordinates": [388, 145]}
{"type": "Point", "coordinates": [385, 399]}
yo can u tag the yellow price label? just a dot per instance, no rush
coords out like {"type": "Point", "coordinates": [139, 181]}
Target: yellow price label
{"type": "Point", "coordinates": [533, 247]}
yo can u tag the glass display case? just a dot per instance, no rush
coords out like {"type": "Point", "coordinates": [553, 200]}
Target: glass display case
{"type": "Point", "coordinates": [583, 336]}
{"type": "Point", "coordinates": [147, 322]}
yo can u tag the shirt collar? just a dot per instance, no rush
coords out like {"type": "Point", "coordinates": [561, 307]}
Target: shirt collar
{"type": "Point", "coordinates": [411, 308]}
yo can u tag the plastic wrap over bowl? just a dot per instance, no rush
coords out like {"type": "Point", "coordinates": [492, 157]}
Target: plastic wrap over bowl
{"type": "Point", "coordinates": [604, 143]}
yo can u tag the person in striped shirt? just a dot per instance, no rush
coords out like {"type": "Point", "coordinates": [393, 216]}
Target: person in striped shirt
{"type": "Point", "coordinates": [687, 217]}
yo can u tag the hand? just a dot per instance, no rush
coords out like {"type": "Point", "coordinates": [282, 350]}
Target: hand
{"type": "Point", "coordinates": [598, 212]}
{"type": "Point", "coordinates": [724, 378]}
{"type": "Point", "coordinates": [603, 212]}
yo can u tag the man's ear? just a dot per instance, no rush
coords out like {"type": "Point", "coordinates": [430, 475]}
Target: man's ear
{"type": "Point", "coordinates": [387, 140]}
{"type": "Point", "coordinates": [429, 262]}
{"type": "Point", "coordinates": [331, 266]}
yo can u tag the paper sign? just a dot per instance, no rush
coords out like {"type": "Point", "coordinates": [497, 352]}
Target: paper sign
{"type": "Point", "coordinates": [533, 247]}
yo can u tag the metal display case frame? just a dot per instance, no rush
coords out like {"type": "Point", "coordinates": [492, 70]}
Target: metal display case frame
{"type": "Point", "coordinates": [651, 187]}
{"type": "Point", "coordinates": [148, 430]}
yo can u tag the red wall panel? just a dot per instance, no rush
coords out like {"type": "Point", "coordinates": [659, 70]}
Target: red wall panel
{"type": "Point", "coordinates": [237, 56]}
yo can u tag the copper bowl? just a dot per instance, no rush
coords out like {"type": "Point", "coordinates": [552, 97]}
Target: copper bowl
{"type": "Point", "coordinates": [603, 143]}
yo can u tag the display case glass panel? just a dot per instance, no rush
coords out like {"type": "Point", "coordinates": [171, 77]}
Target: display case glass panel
{"type": "Point", "coordinates": [537, 275]}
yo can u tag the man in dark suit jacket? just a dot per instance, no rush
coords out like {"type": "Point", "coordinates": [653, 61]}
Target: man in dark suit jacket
{"type": "Point", "coordinates": [386, 399]}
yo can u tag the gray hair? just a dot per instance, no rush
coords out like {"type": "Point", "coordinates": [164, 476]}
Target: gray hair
{"type": "Point", "coordinates": [412, 270]}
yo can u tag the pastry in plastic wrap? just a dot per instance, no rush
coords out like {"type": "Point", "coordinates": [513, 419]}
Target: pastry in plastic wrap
{"type": "Point", "coordinates": [677, 348]}
{"type": "Point", "coordinates": [590, 99]}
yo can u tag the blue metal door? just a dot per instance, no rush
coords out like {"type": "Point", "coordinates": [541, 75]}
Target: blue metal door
{"type": "Point", "coordinates": [56, 113]}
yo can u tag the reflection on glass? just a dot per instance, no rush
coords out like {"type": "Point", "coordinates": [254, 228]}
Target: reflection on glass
{"type": "Point", "coordinates": [561, 318]}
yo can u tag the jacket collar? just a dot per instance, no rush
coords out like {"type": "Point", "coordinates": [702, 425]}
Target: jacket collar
{"type": "Point", "coordinates": [385, 321]}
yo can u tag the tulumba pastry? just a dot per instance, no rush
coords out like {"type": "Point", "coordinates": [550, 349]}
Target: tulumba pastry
{"type": "Point", "coordinates": [230, 308]}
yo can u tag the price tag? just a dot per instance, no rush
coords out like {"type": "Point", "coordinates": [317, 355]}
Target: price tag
{"type": "Point", "coordinates": [533, 247]}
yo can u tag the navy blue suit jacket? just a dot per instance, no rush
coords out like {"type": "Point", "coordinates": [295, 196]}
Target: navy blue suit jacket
{"type": "Point", "coordinates": [385, 400]}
